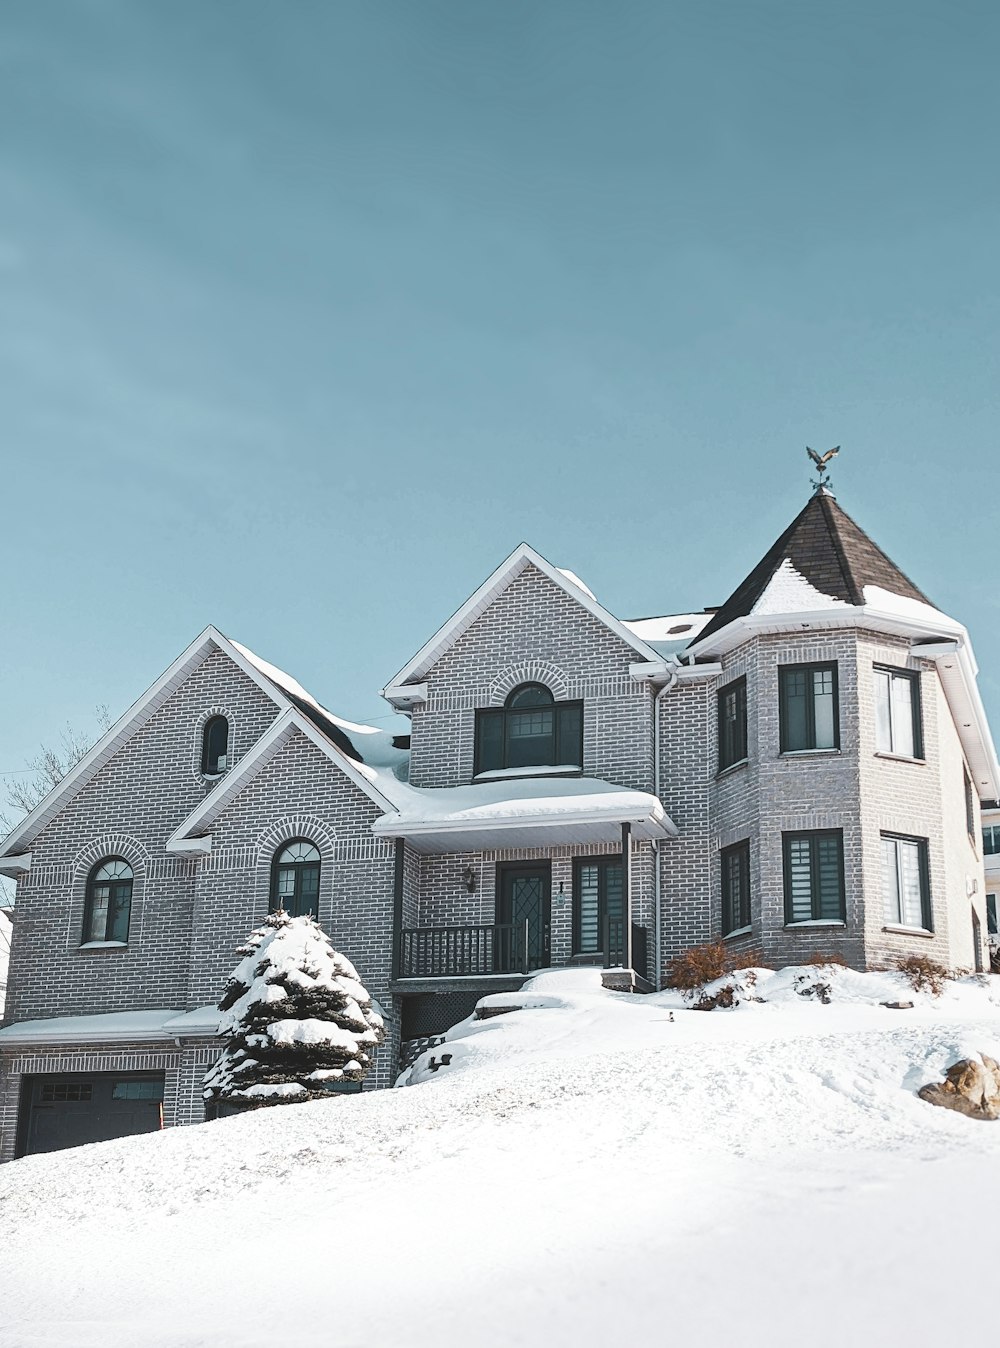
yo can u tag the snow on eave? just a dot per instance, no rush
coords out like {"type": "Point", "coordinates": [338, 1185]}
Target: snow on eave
{"type": "Point", "coordinates": [494, 585]}
{"type": "Point", "coordinates": [200, 820]}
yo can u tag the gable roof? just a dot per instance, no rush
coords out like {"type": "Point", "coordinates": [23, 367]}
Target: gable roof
{"type": "Point", "coordinates": [506, 573]}
{"type": "Point", "coordinates": [190, 833]}
{"type": "Point", "coordinates": [825, 548]}
{"type": "Point", "coordinates": [286, 694]}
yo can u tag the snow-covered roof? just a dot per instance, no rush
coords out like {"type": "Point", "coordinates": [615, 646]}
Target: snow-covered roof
{"type": "Point", "coordinates": [355, 742]}
{"type": "Point", "coordinates": [400, 691]}
{"type": "Point", "coordinates": [671, 633]}
{"type": "Point", "coordinates": [523, 812]}
{"type": "Point", "coordinates": [113, 1027]}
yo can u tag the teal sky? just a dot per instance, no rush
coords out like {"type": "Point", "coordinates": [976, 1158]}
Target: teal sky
{"type": "Point", "coordinates": [309, 312]}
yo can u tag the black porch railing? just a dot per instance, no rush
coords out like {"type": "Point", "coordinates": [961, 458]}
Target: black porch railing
{"type": "Point", "coordinates": [615, 953]}
{"type": "Point", "coordinates": [462, 952]}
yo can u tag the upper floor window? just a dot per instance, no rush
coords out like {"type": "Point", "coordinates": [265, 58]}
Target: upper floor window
{"type": "Point", "coordinates": [809, 711]}
{"type": "Point", "coordinates": [732, 723]}
{"type": "Point", "coordinates": [906, 881]}
{"type": "Point", "coordinates": [215, 746]}
{"type": "Point", "coordinates": [735, 887]}
{"type": "Point", "coordinates": [531, 730]}
{"type": "Point", "coordinates": [991, 840]}
{"type": "Point", "coordinates": [814, 876]}
{"type": "Point", "coordinates": [897, 712]}
{"type": "Point", "coordinates": [295, 879]}
{"type": "Point", "coordinates": [109, 901]}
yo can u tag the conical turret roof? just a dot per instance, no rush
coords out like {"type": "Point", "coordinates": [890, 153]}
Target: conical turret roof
{"type": "Point", "coordinates": [824, 547]}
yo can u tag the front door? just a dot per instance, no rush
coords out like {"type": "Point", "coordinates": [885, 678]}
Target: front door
{"type": "Point", "coordinates": [523, 905]}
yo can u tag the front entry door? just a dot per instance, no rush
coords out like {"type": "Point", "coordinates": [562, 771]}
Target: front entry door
{"type": "Point", "coordinates": [524, 902]}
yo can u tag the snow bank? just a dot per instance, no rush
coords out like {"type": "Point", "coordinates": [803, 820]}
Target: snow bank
{"type": "Point", "coordinates": [600, 1162]}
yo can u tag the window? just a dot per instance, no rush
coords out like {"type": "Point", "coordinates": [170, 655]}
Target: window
{"type": "Point", "coordinates": [809, 713]}
{"type": "Point", "coordinates": [531, 730]}
{"type": "Point", "coordinates": [732, 723]}
{"type": "Point", "coordinates": [906, 888]}
{"type": "Point", "coordinates": [597, 884]}
{"type": "Point", "coordinates": [62, 1092]}
{"type": "Point", "coordinates": [295, 879]}
{"type": "Point", "coordinates": [814, 876]}
{"type": "Point", "coordinates": [137, 1090]}
{"type": "Point", "coordinates": [109, 901]}
{"type": "Point", "coordinates": [215, 746]}
{"type": "Point", "coordinates": [970, 807]}
{"type": "Point", "coordinates": [991, 840]}
{"type": "Point", "coordinates": [991, 914]}
{"type": "Point", "coordinates": [735, 887]}
{"type": "Point", "coordinates": [897, 713]}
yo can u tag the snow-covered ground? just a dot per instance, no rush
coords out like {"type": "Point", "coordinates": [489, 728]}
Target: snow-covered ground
{"type": "Point", "coordinates": [584, 1170]}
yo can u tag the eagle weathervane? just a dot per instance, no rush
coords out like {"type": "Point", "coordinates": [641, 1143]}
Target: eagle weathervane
{"type": "Point", "coordinates": [822, 483]}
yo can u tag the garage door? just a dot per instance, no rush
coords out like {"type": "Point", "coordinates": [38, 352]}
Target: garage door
{"type": "Point", "coordinates": [66, 1111]}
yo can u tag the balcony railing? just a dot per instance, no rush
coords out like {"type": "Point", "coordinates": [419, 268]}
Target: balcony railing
{"type": "Point", "coordinates": [499, 948]}
{"type": "Point", "coordinates": [463, 952]}
{"type": "Point", "coordinates": [615, 954]}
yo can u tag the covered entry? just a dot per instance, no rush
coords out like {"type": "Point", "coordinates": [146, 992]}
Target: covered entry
{"type": "Point", "coordinates": [68, 1110]}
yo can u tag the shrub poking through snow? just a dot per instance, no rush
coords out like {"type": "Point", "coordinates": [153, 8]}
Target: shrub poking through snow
{"type": "Point", "coordinates": [827, 957]}
{"type": "Point", "coordinates": [705, 963]}
{"type": "Point", "coordinates": [297, 1019]}
{"type": "Point", "coordinates": [925, 974]}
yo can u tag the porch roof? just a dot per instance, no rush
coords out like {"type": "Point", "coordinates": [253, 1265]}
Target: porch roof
{"type": "Point", "coordinates": [522, 813]}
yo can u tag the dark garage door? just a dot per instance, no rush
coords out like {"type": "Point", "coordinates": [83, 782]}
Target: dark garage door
{"type": "Point", "coordinates": [66, 1111]}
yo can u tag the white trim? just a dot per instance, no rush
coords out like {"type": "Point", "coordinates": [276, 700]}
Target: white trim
{"type": "Point", "coordinates": [407, 696]}
{"type": "Point", "coordinates": [192, 834]}
{"type": "Point", "coordinates": [494, 585]}
{"type": "Point", "coordinates": [397, 828]}
{"type": "Point", "coordinates": [15, 866]}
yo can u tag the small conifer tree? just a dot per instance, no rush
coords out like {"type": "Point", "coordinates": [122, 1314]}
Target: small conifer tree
{"type": "Point", "coordinates": [297, 1019]}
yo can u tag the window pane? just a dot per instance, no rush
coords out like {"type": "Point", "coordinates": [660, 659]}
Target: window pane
{"type": "Point", "coordinates": [796, 710]}
{"type": "Point", "coordinates": [530, 739]}
{"type": "Point", "coordinates": [902, 715]}
{"type": "Point", "coordinates": [828, 872]}
{"type": "Point", "coordinates": [531, 696]}
{"type": "Point", "coordinates": [890, 880]}
{"type": "Point", "coordinates": [800, 879]}
{"type": "Point", "coordinates": [823, 709]}
{"type": "Point", "coordinates": [911, 905]}
{"type": "Point", "coordinates": [991, 914]}
{"type": "Point", "coordinates": [489, 733]}
{"type": "Point", "coordinates": [883, 715]}
{"type": "Point", "coordinates": [121, 901]}
{"type": "Point", "coordinates": [569, 731]}
{"type": "Point", "coordinates": [100, 899]}
{"type": "Point", "coordinates": [589, 901]}
{"type": "Point", "coordinates": [613, 895]}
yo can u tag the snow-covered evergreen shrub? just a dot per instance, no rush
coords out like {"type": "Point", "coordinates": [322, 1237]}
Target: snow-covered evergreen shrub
{"type": "Point", "coordinates": [297, 1019]}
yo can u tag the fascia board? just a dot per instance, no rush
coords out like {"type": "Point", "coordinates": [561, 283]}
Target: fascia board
{"type": "Point", "coordinates": [396, 828]}
{"type": "Point", "coordinates": [112, 739]}
{"type": "Point", "coordinates": [494, 585]}
{"type": "Point", "coordinates": [15, 866]}
{"type": "Point", "coordinates": [966, 706]}
{"type": "Point", "coordinates": [756, 624]}
{"type": "Point", "coordinates": [405, 696]}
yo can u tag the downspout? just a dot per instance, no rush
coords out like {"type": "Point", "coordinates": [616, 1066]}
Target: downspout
{"type": "Point", "coordinates": [657, 885]}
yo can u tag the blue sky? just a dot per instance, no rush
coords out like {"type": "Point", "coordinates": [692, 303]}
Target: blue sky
{"type": "Point", "coordinates": [310, 312]}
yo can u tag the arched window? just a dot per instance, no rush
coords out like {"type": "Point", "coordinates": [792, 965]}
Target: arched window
{"type": "Point", "coordinates": [531, 730]}
{"type": "Point", "coordinates": [109, 901]}
{"type": "Point", "coordinates": [295, 879]}
{"type": "Point", "coordinates": [215, 746]}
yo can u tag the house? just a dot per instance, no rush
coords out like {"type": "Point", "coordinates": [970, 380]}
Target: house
{"type": "Point", "coordinates": [799, 770]}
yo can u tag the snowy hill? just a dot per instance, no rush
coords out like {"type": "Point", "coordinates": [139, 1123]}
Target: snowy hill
{"type": "Point", "coordinates": [584, 1168]}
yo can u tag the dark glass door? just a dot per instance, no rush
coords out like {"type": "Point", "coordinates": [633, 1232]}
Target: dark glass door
{"type": "Point", "coordinates": [524, 904]}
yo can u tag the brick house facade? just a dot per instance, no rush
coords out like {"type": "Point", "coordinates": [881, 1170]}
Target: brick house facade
{"type": "Point", "coordinates": [562, 796]}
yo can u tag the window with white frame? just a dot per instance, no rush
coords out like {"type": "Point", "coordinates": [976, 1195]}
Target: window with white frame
{"type": "Point", "coordinates": [905, 881]}
{"type": "Point", "coordinates": [897, 712]}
